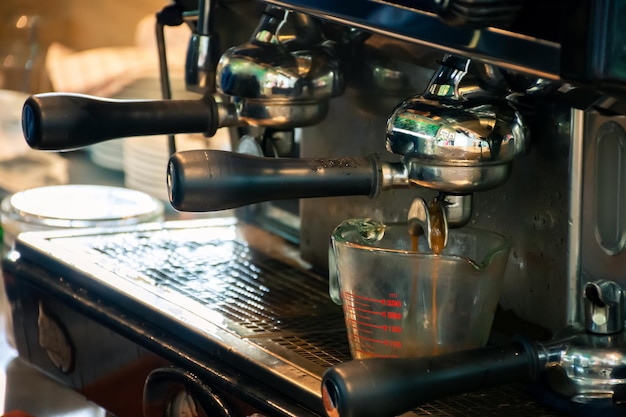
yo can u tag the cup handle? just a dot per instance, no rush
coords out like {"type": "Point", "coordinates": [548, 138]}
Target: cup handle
{"type": "Point", "coordinates": [333, 276]}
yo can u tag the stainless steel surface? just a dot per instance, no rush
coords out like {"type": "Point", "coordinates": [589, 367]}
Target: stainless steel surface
{"type": "Point", "coordinates": [603, 233]}
{"type": "Point", "coordinates": [278, 79]}
{"type": "Point", "coordinates": [497, 46]}
{"type": "Point", "coordinates": [458, 208]}
{"type": "Point", "coordinates": [583, 364]}
{"type": "Point", "coordinates": [222, 298]}
{"type": "Point", "coordinates": [456, 136]}
{"type": "Point", "coordinates": [279, 114]}
{"type": "Point", "coordinates": [573, 282]}
{"type": "Point", "coordinates": [560, 205]}
{"type": "Point", "coordinates": [456, 179]}
{"type": "Point", "coordinates": [266, 68]}
{"type": "Point", "coordinates": [232, 300]}
{"type": "Point", "coordinates": [584, 367]}
{"type": "Point", "coordinates": [393, 175]}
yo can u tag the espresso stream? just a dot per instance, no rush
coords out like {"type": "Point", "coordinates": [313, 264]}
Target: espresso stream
{"type": "Point", "coordinates": [437, 239]}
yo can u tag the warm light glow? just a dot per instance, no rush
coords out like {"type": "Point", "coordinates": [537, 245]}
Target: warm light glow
{"type": "Point", "coordinates": [9, 61]}
{"type": "Point", "coordinates": [21, 22]}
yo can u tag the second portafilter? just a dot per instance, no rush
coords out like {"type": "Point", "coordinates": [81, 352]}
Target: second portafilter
{"type": "Point", "coordinates": [460, 136]}
{"type": "Point", "coordinates": [282, 78]}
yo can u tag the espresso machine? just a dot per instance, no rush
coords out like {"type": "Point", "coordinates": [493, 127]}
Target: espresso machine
{"type": "Point", "coordinates": [509, 113]}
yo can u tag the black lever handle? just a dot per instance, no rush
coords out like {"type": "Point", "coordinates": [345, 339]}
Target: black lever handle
{"type": "Point", "coordinates": [380, 387]}
{"type": "Point", "coordinates": [209, 180]}
{"type": "Point", "coordinates": [54, 121]}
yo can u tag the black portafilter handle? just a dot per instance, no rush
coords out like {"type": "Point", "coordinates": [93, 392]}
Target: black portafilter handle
{"type": "Point", "coordinates": [212, 180]}
{"type": "Point", "coordinates": [61, 121]}
{"type": "Point", "coordinates": [380, 387]}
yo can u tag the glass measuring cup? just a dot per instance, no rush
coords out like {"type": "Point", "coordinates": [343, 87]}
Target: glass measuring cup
{"type": "Point", "coordinates": [399, 302]}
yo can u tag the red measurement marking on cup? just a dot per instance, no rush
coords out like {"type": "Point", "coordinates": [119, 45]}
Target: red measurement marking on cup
{"type": "Point", "coordinates": [392, 301]}
{"type": "Point", "coordinates": [365, 315]}
{"type": "Point", "coordinates": [374, 324]}
{"type": "Point", "coordinates": [357, 303]}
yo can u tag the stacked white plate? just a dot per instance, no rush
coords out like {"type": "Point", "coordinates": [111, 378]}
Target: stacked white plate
{"type": "Point", "coordinates": [108, 154]}
{"type": "Point", "coordinates": [145, 159]}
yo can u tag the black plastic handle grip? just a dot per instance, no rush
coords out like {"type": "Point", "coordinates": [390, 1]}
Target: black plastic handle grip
{"type": "Point", "coordinates": [210, 180]}
{"type": "Point", "coordinates": [380, 387]}
{"type": "Point", "coordinates": [55, 121]}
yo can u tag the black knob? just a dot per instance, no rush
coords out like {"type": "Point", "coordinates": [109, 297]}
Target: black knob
{"type": "Point", "coordinates": [478, 13]}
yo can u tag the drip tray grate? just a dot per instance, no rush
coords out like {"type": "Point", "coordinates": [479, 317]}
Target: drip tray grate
{"type": "Point", "coordinates": [282, 309]}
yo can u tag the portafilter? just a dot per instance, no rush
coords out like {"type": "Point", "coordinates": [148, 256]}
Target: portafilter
{"type": "Point", "coordinates": [458, 137]}
{"type": "Point", "coordinates": [282, 78]}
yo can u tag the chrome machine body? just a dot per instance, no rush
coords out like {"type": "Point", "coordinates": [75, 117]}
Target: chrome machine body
{"type": "Point", "coordinates": [511, 111]}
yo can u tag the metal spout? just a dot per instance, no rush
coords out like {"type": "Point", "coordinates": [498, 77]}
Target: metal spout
{"type": "Point", "coordinates": [429, 219]}
{"type": "Point", "coordinates": [604, 307]}
{"type": "Point", "coordinates": [203, 52]}
{"type": "Point", "coordinates": [458, 137]}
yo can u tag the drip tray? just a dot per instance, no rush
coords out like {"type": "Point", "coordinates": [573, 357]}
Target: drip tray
{"type": "Point", "coordinates": [204, 275]}
{"type": "Point", "coordinates": [260, 299]}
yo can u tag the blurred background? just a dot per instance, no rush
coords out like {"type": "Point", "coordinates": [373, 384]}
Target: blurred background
{"type": "Point", "coordinates": [105, 48]}
{"type": "Point", "coordinates": [78, 24]}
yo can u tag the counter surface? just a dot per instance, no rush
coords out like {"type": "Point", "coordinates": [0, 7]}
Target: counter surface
{"type": "Point", "coordinates": [22, 387]}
